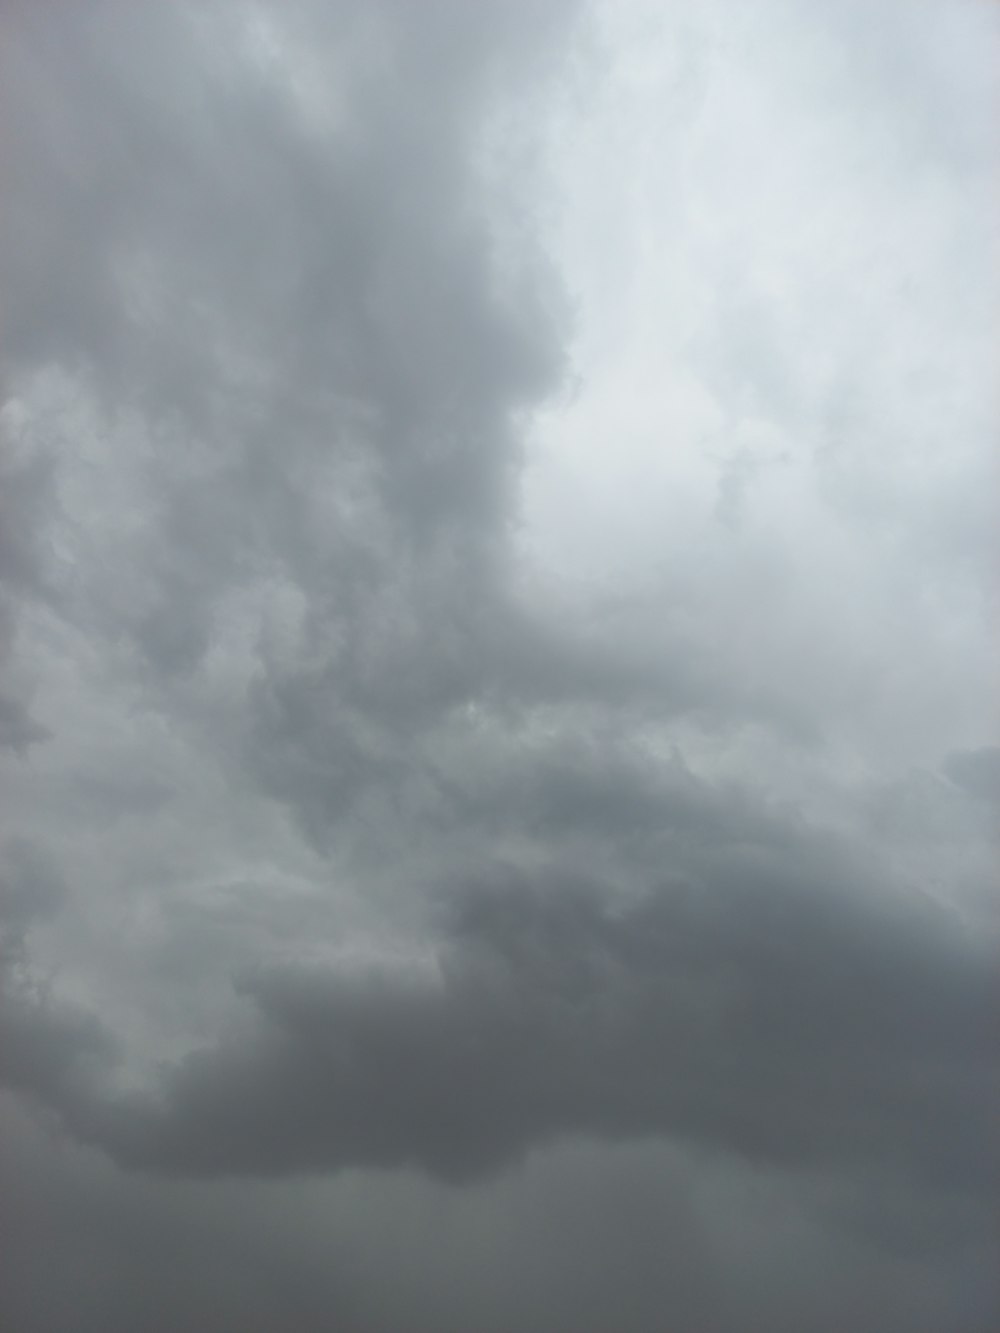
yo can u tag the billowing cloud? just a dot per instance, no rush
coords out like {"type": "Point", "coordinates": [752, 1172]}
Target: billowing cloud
{"type": "Point", "coordinates": [751, 1007]}
{"type": "Point", "coordinates": [497, 722]}
{"type": "Point", "coordinates": [766, 996]}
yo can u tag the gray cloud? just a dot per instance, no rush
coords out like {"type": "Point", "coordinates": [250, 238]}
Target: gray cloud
{"type": "Point", "coordinates": [430, 832]}
{"type": "Point", "coordinates": [977, 771]}
{"type": "Point", "coordinates": [18, 729]}
{"type": "Point", "coordinates": [596, 1239]}
{"type": "Point", "coordinates": [30, 887]}
{"type": "Point", "coordinates": [773, 1003]}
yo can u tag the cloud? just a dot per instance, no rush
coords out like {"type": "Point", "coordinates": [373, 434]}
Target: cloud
{"type": "Point", "coordinates": [30, 886]}
{"type": "Point", "coordinates": [977, 771]}
{"type": "Point", "coordinates": [18, 729]}
{"type": "Point", "coordinates": [768, 999]}
{"type": "Point", "coordinates": [497, 698]}
{"type": "Point", "coordinates": [595, 1238]}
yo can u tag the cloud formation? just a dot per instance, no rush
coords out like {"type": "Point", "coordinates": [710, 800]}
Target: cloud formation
{"type": "Point", "coordinates": [496, 727]}
{"type": "Point", "coordinates": [752, 1009]}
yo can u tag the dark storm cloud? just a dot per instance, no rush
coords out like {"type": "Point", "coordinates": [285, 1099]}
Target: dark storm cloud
{"type": "Point", "coordinates": [785, 1014]}
{"type": "Point", "coordinates": [269, 351]}
{"type": "Point", "coordinates": [789, 1033]}
{"type": "Point", "coordinates": [768, 999]}
{"type": "Point", "coordinates": [596, 1240]}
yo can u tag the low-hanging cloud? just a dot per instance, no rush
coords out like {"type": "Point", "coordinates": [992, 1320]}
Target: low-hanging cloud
{"type": "Point", "coordinates": [772, 1002]}
{"type": "Point", "coordinates": [493, 629]}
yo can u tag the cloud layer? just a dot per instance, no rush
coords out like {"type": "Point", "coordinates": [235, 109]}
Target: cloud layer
{"type": "Point", "coordinates": [496, 721]}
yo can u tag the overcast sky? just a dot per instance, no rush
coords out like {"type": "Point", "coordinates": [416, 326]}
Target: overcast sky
{"type": "Point", "coordinates": [499, 740]}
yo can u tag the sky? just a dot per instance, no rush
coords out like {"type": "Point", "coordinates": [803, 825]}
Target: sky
{"type": "Point", "coordinates": [499, 742]}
